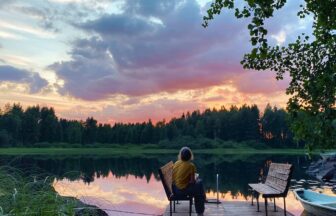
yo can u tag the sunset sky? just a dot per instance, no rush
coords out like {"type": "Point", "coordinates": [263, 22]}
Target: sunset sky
{"type": "Point", "coordinates": [127, 61]}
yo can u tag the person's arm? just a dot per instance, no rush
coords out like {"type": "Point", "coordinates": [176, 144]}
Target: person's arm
{"type": "Point", "coordinates": [192, 176]}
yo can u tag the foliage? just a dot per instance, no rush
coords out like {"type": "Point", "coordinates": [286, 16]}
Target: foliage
{"type": "Point", "coordinates": [40, 127]}
{"type": "Point", "coordinates": [310, 62]}
{"type": "Point", "coordinates": [275, 128]}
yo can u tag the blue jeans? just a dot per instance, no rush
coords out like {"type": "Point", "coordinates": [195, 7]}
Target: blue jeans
{"type": "Point", "coordinates": [195, 190]}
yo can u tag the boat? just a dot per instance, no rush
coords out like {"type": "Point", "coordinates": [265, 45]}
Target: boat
{"type": "Point", "coordinates": [316, 203]}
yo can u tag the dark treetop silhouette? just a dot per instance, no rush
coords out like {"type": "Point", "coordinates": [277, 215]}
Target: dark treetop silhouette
{"type": "Point", "coordinates": [40, 127]}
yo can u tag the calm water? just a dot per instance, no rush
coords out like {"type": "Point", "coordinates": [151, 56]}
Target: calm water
{"type": "Point", "coordinates": [131, 184]}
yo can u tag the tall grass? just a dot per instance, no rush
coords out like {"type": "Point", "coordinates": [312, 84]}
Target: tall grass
{"type": "Point", "coordinates": [30, 193]}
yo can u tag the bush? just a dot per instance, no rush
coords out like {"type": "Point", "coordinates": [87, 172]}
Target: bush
{"type": "Point", "coordinates": [150, 146]}
{"type": "Point", "coordinates": [196, 143]}
{"type": "Point", "coordinates": [255, 144]}
{"type": "Point", "coordinates": [42, 144]}
{"type": "Point", "coordinates": [227, 144]}
{"type": "Point", "coordinates": [202, 142]}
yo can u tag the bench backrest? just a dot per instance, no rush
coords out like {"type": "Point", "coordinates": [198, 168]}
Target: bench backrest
{"type": "Point", "coordinates": [279, 176]}
{"type": "Point", "coordinates": [166, 176]}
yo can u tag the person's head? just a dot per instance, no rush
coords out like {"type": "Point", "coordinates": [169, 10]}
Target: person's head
{"type": "Point", "coordinates": [185, 154]}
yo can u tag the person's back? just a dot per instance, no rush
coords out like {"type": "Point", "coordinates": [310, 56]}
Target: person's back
{"type": "Point", "coordinates": [183, 171]}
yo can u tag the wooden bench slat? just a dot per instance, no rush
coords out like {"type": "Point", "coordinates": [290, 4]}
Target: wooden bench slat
{"type": "Point", "coordinates": [263, 189]}
{"type": "Point", "coordinates": [280, 166]}
{"type": "Point", "coordinates": [167, 175]}
{"type": "Point", "coordinates": [278, 174]}
{"type": "Point", "coordinates": [271, 179]}
{"type": "Point", "coordinates": [278, 187]}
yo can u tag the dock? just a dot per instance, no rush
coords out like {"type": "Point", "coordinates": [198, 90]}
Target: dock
{"type": "Point", "coordinates": [230, 208]}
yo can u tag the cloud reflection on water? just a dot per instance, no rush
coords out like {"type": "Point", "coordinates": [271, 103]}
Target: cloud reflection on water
{"type": "Point", "coordinates": [122, 194]}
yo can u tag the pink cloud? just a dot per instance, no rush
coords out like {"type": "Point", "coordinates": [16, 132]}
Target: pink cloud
{"type": "Point", "coordinates": [256, 82]}
{"type": "Point", "coordinates": [150, 58]}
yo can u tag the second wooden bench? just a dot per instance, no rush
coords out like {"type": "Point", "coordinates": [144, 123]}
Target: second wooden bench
{"type": "Point", "coordinates": [276, 184]}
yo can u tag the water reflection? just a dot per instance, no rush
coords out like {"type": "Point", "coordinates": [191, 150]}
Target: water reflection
{"type": "Point", "coordinates": [117, 194]}
{"type": "Point", "coordinates": [132, 183]}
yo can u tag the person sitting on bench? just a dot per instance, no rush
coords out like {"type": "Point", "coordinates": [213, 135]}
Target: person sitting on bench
{"type": "Point", "coordinates": [184, 181]}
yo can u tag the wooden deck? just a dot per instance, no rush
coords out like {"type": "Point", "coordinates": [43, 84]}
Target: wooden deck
{"type": "Point", "coordinates": [239, 208]}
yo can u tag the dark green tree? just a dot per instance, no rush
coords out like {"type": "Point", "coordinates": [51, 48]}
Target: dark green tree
{"type": "Point", "coordinates": [30, 125]}
{"type": "Point", "coordinates": [48, 125]}
{"type": "Point", "coordinates": [147, 132]}
{"type": "Point", "coordinates": [103, 133]}
{"type": "Point", "coordinates": [74, 132]}
{"type": "Point", "coordinates": [310, 61]}
{"type": "Point", "coordinates": [251, 121]}
{"type": "Point", "coordinates": [90, 131]}
{"type": "Point", "coordinates": [12, 123]}
{"type": "Point", "coordinates": [5, 138]}
{"type": "Point", "coordinates": [275, 130]}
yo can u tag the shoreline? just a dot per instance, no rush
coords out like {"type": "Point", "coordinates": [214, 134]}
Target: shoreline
{"type": "Point", "coordinates": [148, 151]}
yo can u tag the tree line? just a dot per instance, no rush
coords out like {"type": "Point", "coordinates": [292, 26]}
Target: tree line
{"type": "Point", "coordinates": [36, 126]}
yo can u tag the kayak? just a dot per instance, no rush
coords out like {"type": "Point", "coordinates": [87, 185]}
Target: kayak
{"type": "Point", "coordinates": [316, 203]}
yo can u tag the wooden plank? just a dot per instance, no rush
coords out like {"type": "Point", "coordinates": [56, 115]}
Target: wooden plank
{"type": "Point", "coordinates": [281, 166]}
{"type": "Point", "coordinates": [276, 183]}
{"type": "Point", "coordinates": [264, 189]}
{"type": "Point", "coordinates": [279, 175]}
{"type": "Point", "coordinates": [232, 208]}
{"type": "Point", "coordinates": [276, 186]}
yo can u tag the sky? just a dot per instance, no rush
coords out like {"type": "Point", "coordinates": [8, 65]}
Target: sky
{"type": "Point", "coordinates": [134, 60]}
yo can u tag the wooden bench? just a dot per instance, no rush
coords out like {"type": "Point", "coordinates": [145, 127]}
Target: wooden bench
{"type": "Point", "coordinates": [276, 184]}
{"type": "Point", "coordinates": [166, 176]}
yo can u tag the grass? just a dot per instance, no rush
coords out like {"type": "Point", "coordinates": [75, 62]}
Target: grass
{"type": "Point", "coordinates": [29, 191]}
{"type": "Point", "coordinates": [30, 194]}
{"type": "Point", "coordinates": [140, 150]}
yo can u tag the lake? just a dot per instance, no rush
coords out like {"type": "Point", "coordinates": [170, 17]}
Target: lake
{"type": "Point", "coordinates": [121, 185]}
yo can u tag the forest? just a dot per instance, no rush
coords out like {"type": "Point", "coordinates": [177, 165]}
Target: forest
{"type": "Point", "coordinates": [38, 126]}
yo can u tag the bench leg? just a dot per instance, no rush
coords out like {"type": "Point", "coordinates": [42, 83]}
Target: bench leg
{"type": "Point", "coordinates": [274, 205]}
{"type": "Point", "coordinates": [170, 208]}
{"type": "Point", "coordinates": [266, 206]}
{"type": "Point", "coordinates": [285, 213]}
{"type": "Point", "coordinates": [252, 197]}
{"type": "Point", "coordinates": [258, 210]}
{"type": "Point", "coordinates": [174, 206]}
{"type": "Point", "coordinates": [190, 207]}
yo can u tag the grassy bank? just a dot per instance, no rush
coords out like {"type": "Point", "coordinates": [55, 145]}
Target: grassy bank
{"type": "Point", "coordinates": [141, 150]}
{"type": "Point", "coordinates": [30, 192]}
